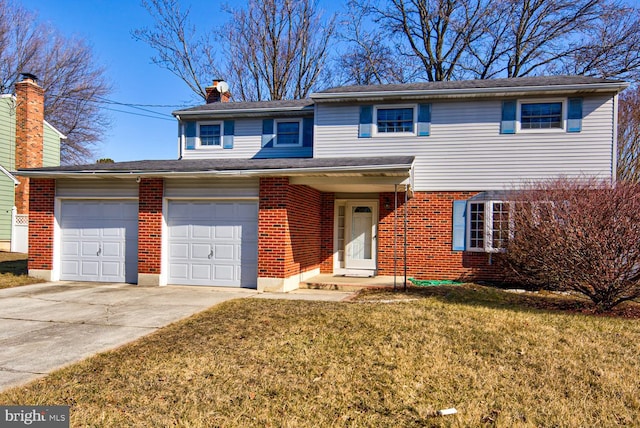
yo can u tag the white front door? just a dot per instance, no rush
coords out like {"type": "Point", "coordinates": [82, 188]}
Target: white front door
{"type": "Point", "coordinates": [361, 218]}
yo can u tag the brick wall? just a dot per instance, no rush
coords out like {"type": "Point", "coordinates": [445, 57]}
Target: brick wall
{"type": "Point", "coordinates": [326, 232]}
{"type": "Point", "coordinates": [289, 228]}
{"type": "Point", "coordinates": [41, 223]}
{"type": "Point", "coordinates": [150, 195]}
{"type": "Point", "coordinates": [429, 236]}
{"type": "Point", "coordinates": [29, 135]}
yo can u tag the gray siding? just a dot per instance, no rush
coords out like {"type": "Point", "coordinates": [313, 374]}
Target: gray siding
{"type": "Point", "coordinates": [96, 188]}
{"type": "Point", "coordinates": [466, 151]}
{"type": "Point", "coordinates": [247, 143]}
{"type": "Point", "coordinates": [212, 188]}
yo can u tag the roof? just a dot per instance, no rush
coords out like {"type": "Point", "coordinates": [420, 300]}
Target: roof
{"type": "Point", "coordinates": [227, 167]}
{"type": "Point", "coordinates": [473, 88]}
{"type": "Point", "coordinates": [253, 108]}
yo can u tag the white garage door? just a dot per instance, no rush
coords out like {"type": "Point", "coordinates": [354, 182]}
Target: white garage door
{"type": "Point", "coordinates": [99, 241]}
{"type": "Point", "coordinates": [213, 243]}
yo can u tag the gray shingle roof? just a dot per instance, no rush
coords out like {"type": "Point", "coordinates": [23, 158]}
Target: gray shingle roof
{"type": "Point", "coordinates": [253, 105]}
{"type": "Point", "coordinates": [220, 165]}
{"type": "Point", "coordinates": [517, 82]}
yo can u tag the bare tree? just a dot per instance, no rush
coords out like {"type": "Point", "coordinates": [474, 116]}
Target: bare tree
{"type": "Point", "coordinates": [579, 235]}
{"type": "Point", "coordinates": [274, 49]}
{"type": "Point", "coordinates": [629, 135]}
{"type": "Point", "coordinates": [72, 82]}
{"type": "Point", "coordinates": [67, 69]}
{"type": "Point", "coordinates": [455, 39]}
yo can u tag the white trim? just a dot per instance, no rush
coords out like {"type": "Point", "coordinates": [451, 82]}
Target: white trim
{"type": "Point", "coordinates": [374, 131]}
{"type": "Point", "coordinates": [563, 120]}
{"type": "Point", "coordinates": [275, 132]}
{"type": "Point", "coordinates": [8, 174]}
{"type": "Point", "coordinates": [199, 145]}
{"type": "Point", "coordinates": [60, 134]}
{"type": "Point", "coordinates": [614, 155]}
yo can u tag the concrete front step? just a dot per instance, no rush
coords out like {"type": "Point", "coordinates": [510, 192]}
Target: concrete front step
{"type": "Point", "coordinates": [343, 283]}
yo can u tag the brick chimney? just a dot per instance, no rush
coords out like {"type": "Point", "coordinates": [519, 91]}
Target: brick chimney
{"type": "Point", "coordinates": [29, 133]}
{"type": "Point", "coordinates": [214, 96]}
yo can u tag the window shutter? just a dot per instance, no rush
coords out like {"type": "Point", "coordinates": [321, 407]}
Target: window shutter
{"type": "Point", "coordinates": [190, 135]}
{"type": "Point", "coordinates": [508, 124]}
{"type": "Point", "coordinates": [267, 133]}
{"type": "Point", "coordinates": [366, 122]}
{"type": "Point", "coordinates": [227, 137]}
{"type": "Point", "coordinates": [574, 115]}
{"type": "Point", "coordinates": [307, 132]}
{"type": "Point", "coordinates": [459, 225]}
{"type": "Point", "coordinates": [424, 120]}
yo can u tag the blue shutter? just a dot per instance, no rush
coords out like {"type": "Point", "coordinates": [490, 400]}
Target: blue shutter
{"type": "Point", "coordinates": [227, 137]}
{"type": "Point", "coordinates": [267, 133]}
{"type": "Point", "coordinates": [366, 122]}
{"type": "Point", "coordinates": [190, 135]}
{"type": "Point", "coordinates": [508, 124]}
{"type": "Point", "coordinates": [424, 120]}
{"type": "Point", "coordinates": [307, 132]}
{"type": "Point", "coordinates": [574, 115]}
{"type": "Point", "coordinates": [459, 236]}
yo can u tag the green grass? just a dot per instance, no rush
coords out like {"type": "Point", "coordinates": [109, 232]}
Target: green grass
{"type": "Point", "coordinates": [386, 359]}
{"type": "Point", "coordinates": [13, 270]}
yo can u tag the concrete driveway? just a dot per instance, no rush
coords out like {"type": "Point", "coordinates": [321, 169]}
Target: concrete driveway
{"type": "Point", "coordinates": [46, 326]}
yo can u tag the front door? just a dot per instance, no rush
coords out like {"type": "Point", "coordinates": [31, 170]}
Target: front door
{"type": "Point", "coordinates": [361, 218]}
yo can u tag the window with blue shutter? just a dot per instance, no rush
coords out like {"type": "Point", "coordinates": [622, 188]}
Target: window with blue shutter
{"type": "Point", "coordinates": [459, 225]}
{"type": "Point", "coordinates": [307, 132]}
{"type": "Point", "coordinates": [508, 123]}
{"type": "Point", "coordinates": [424, 120]}
{"type": "Point", "coordinates": [268, 134]}
{"type": "Point", "coordinates": [366, 122]}
{"type": "Point", "coordinates": [574, 115]}
{"type": "Point", "coordinates": [190, 135]}
{"type": "Point", "coordinates": [227, 138]}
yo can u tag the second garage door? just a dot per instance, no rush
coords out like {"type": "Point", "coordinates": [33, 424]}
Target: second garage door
{"type": "Point", "coordinates": [213, 243]}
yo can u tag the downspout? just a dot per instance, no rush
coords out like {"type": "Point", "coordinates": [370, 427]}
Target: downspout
{"type": "Point", "coordinates": [406, 212]}
{"type": "Point", "coordinates": [395, 236]}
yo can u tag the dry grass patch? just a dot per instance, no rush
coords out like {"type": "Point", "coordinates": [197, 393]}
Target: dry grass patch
{"type": "Point", "coordinates": [13, 270]}
{"type": "Point", "coordinates": [261, 363]}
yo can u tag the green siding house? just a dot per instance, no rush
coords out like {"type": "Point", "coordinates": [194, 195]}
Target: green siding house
{"type": "Point", "coordinates": [8, 182]}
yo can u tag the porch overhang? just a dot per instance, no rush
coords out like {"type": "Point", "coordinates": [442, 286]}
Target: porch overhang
{"type": "Point", "coordinates": [363, 174]}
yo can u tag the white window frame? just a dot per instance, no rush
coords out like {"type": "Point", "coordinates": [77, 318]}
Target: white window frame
{"type": "Point", "coordinates": [488, 226]}
{"type": "Point", "coordinates": [413, 133]}
{"type": "Point", "coordinates": [563, 120]}
{"type": "Point", "coordinates": [275, 131]}
{"type": "Point", "coordinates": [199, 144]}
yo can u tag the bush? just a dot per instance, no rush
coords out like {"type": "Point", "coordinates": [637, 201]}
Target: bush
{"type": "Point", "coordinates": [577, 235]}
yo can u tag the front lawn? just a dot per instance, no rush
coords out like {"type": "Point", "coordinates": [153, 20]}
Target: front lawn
{"type": "Point", "coordinates": [377, 361]}
{"type": "Point", "coordinates": [13, 270]}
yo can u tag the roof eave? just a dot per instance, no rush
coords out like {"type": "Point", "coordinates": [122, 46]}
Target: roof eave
{"type": "Point", "coordinates": [613, 87]}
{"type": "Point", "coordinates": [252, 112]}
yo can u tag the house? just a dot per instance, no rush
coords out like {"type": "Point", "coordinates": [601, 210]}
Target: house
{"type": "Point", "coordinates": [26, 141]}
{"type": "Point", "coordinates": [355, 180]}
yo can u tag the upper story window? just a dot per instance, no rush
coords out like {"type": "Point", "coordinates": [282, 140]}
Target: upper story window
{"type": "Point", "coordinates": [394, 120]}
{"type": "Point", "coordinates": [210, 134]}
{"type": "Point", "coordinates": [543, 115]}
{"type": "Point", "coordinates": [288, 133]}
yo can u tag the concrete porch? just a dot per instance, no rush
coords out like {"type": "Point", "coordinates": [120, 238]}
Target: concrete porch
{"type": "Point", "coordinates": [349, 283]}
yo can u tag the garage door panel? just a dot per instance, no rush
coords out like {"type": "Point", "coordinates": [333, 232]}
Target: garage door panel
{"type": "Point", "coordinates": [218, 231]}
{"type": "Point", "coordinates": [99, 240]}
{"type": "Point", "coordinates": [179, 251]}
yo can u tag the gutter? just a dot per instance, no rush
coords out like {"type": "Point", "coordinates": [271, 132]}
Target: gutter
{"type": "Point", "coordinates": [404, 168]}
{"type": "Point", "coordinates": [466, 92]}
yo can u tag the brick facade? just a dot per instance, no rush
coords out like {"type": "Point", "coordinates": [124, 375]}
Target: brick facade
{"type": "Point", "coordinates": [41, 223]}
{"type": "Point", "coordinates": [326, 232]}
{"type": "Point", "coordinates": [429, 236]}
{"type": "Point", "coordinates": [150, 193]}
{"type": "Point", "coordinates": [29, 135]}
{"type": "Point", "coordinates": [289, 228]}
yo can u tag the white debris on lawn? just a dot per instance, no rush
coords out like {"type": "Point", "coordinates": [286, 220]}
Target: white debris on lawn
{"type": "Point", "coordinates": [445, 412]}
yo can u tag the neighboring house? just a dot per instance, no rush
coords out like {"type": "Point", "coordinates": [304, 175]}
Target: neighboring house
{"type": "Point", "coordinates": [356, 180]}
{"type": "Point", "coordinates": [26, 141]}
